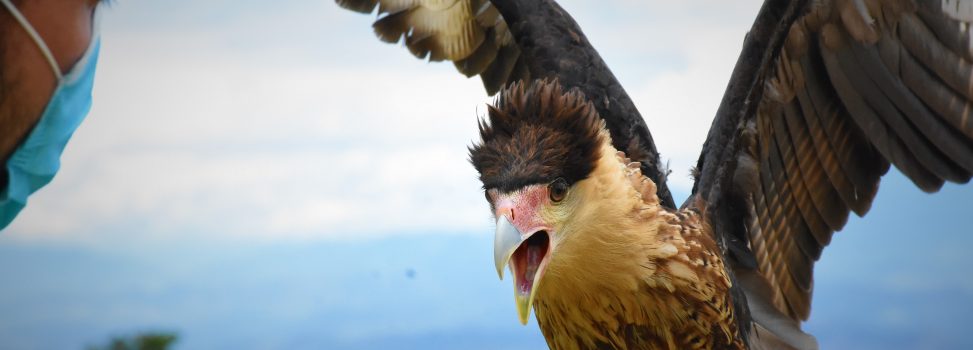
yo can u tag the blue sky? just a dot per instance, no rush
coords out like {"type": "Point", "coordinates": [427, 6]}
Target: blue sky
{"type": "Point", "coordinates": [268, 175]}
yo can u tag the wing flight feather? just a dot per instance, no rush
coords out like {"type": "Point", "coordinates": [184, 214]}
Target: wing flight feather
{"type": "Point", "coordinates": [854, 87]}
{"type": "Point", "coordinates": [470, 33]}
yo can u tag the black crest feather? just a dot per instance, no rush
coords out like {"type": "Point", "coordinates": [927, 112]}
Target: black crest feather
{"type": "Point", "coordinates": [537, 132]}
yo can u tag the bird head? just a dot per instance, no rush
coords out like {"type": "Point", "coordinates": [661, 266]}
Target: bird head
{"type": "Point", "coordinates": [537, 147]}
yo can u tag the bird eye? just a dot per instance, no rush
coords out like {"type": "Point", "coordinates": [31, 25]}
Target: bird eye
{"type": "Point", "coordinates": [558, 189]}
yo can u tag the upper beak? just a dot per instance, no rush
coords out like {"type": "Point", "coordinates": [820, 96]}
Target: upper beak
{"type": "Point", "coordinates": [505, 242]}
{"type": "Point", "coordinates": [529, 267]}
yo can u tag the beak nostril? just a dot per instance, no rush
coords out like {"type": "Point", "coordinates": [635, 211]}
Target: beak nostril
{"type": "Point", "coordinates": [506, 211]}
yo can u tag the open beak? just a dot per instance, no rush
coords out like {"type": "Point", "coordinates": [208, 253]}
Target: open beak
{"type": "Point", "coordinates": [526, 254]}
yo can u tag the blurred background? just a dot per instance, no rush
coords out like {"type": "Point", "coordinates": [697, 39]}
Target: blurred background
{"type": "Point", "coordinates": [269, 175]}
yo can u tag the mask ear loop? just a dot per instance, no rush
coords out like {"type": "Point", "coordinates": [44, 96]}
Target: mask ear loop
{"type": "Point", "coordinates": [33, 35]}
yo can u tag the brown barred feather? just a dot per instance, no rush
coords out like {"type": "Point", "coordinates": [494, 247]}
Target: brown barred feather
{"type": "Point", "coordinates": [832, 141]}
{"type": "Point", "coordinates": [856, 85]}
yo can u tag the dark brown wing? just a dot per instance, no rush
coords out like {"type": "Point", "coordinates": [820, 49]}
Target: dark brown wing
{"type": "Point", "coordinates": [470, 33]}
{"type": "Point", "coordinates": [825, 96]}
{"type": "Point", "coordinates": [509, 40]}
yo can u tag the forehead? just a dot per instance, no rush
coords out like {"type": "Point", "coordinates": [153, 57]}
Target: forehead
{"type": "Point", "coordinates": [532, 155]}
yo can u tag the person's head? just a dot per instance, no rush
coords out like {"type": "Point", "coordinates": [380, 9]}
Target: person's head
{"type": "Point", "coordinates": [27, 78]}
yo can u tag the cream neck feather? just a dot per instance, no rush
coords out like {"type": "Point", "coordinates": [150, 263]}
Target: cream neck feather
{"type": "Point", "coordinates": [621, 259]}
{"type": "Point", "coordinates": [609, 225]}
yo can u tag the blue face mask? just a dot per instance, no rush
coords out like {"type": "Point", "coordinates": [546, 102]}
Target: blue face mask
{"type": "Point", "coordinates": [34, 163]}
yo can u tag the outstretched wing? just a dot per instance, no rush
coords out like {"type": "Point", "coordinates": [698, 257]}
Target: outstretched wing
{"type": "Point", "coordinates": [824, 97]}
{"type": "Point", "coordinates": [470, 33]}
{"type": "Point", "coordinates": [509, 40]}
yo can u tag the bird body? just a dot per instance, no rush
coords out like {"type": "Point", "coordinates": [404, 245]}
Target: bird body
{"type": "Point", "coordinates": [825, 97]}
{"type": "Point", "coordinates": [647, 276]}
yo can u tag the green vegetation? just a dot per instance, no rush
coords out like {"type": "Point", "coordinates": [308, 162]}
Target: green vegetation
{"type": "Point", "coordinates": [144, 341]}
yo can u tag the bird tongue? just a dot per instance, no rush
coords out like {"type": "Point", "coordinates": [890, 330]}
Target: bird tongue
{"type": "Point", "coordinates": [527, 260]}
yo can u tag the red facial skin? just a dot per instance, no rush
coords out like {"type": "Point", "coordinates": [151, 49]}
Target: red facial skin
{"type": "Point", "coordinates": [525, 211]}
{"type": "Point", "coordinates": [522, 208]}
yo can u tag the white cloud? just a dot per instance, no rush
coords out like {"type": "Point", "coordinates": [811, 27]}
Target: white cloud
{"type": "Point", "coordinates": [679, 105]}
{"type": "Point", "coordinates": [236, 129]}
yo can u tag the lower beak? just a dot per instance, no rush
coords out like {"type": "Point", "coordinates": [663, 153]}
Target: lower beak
{"type": "Point", "coordinates": [529, 254]}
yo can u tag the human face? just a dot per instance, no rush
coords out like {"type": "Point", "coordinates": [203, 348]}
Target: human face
{"type": "Point", "coordinates": [27, 80]}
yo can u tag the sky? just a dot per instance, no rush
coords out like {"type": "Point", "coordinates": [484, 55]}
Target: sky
{"type": "Point", "coordinates": [292, 121]}
{"type": "Point", "coordinates": [267, 175]}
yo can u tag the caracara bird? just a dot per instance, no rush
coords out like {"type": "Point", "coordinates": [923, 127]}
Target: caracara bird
{"type": "Point", "coordinates": [824, 97]}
